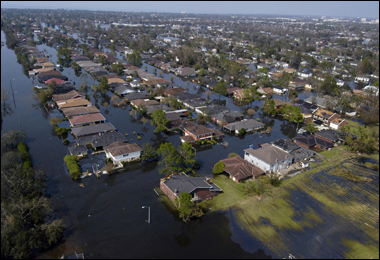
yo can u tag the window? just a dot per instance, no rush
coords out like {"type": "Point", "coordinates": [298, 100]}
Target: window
{"type": "Point", "coordinates": [125, 155]}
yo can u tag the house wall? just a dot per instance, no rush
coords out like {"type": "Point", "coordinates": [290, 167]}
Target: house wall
{"type": "Point", "coordinates": [302, 144]}
{"type": "Point", "coordinates": [121, 158]}
{"type": "Point", "coordinates": [332, 118]}
{"type": "Point", "coordinates": [200, 137]}
{"type": "Point", "coordinates": [167, 192]}
{"type": "Point", "coordinates": [205, 194]}
{"type": "Point", "coordinates": [268, 167]}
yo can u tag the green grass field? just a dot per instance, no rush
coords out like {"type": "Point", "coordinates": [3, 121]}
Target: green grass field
{"type": "Point", "coordinates": [273, 217]}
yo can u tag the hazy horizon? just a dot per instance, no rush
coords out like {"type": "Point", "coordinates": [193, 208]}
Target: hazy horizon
{"type": "Point", "coordinates": [362, 9]}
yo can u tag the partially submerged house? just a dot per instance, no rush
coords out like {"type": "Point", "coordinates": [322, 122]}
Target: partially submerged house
{"type": "Point", "coordinates": [200, 188]}
{"type": "Point", "coordinates": [81, 102]}
{"type": "Point", "coordinates": [122, 152]}
{"type": "Point", "coordinates": [325, 116]}
{"type": "Point", "coordinates": [248, 125]}
{"type": "Point", "coordinates": [240, 169]}
{"type": "Point", "coordinates": [309, 141]}
{"type": "Point", "coordinates": [98, 142]}
{"type": "Point", "coordinates": [74, 111]}
{"type": "Point", "coordinates": [268, 158]}
{"type": "Point", "coordinates": [300, 153]}
{"type": "Point", "coordinates": [88, 119]}
{"type": "Point", "coordinates": [92, 129]}
{"type": "Point", "coordinates": [228, 117]}
{"type": "Point", "coordinates": [195, 133]}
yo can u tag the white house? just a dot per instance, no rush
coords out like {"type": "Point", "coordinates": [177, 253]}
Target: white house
{"type": "Point", "coordinates": [361, 79]}
{"type": "Point", "coordinates": [268, 158]}
{"type": "Point", "coordinates": [279, 90]}
{"type": "Point", "coordinates": [122, 152]}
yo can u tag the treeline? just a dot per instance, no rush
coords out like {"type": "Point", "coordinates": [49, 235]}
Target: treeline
{"type": "Point", "coordinates": [27, 223]}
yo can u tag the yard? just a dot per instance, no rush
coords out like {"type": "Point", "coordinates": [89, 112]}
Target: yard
{"type": "Point", "coordinates": [309, 204]}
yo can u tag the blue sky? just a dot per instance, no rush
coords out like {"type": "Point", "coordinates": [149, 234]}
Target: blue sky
{"type": "Point", "coordinates": [368, 9]}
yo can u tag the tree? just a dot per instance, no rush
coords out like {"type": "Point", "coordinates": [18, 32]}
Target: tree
{"type": "Point", "coordinates": [220, 88]}
{"type": "Point", "coordinates": [103, 86]}
{"type": "Point", "coordinates": [293, 114]}
{"type": "Point", "coordinates": [219, 167]}
{"type": "Point", "coordinates": [96, 43]}
{"type": "Point", "coordinates": [251, 112]}
{"type": "Point", "coordinates": [270, 107]}
{"type": "Point", "coordinates": [329, 86]}
{"type": "Point", "coordinates": [135, 59]}
{"type": "Point", "coordinates": [12, 137]}
{"type": "Point", "coordinates": [187, 152]}
{"type": "Point", "coordinates": [148, 153]}
{"type": "Point", "coordinates": [172, 78]}
{"type": "Point", "coordinates": [159, 120]}
{"type": "Point", "coordinates": [184, 204]}
{"type": "Point", "coordinates": [242, 131]}
{"type": "Point", "coordinates": [171, 159]}
{"type": "Point", "coordinates": [135, 74]}
{"type": "Point", "coordinates": [311, 128]}
{"type": "Point", "coordinates": [208, 93]}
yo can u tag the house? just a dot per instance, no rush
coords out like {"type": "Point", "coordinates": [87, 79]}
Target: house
{"type": "Point", "coordinates": [321, 102]}
{"type": "Point", "coordinates": [268, 158]}
{"type": "Point", "coordinates": [56, 80]}
{"type": "Point", "coordinates": [309, 141]}
{"type": "Point", "coordinates": [79, 102]}
{"type": "Point", "coordinates": [73, 111]}
{"type": "Point", "coordinates": [212, 109]}
{"type": "Point", "coordinates": [151, 108]}
{"type": "Point", "coordinates": [362, 78]}
{"type": "Point", "coordinates": [247, 124]}
{"type": "Point", "coordinates": [92, 129]}
{"type": "Point", "coordinates": [229, 117]}
{"type": "Point", "coordinates": [194, 133]}
{"type": "Point", "coordinates": [122, 152]}
{"type": "Point", "coordinates": [334, 136]}
{"type": "Point", "coordinates": [74, 94]}
{"type": "Point", "coordinates": [230, 91]}
{"type": "Point", "coordinates": [83, 120]}
{"type": "Point", "coordinates": [200, 188]}
{"type": "Point", "coordinates": [138, 95]}
{"type": "Point", "coordinates": [181, 97]}
{"type": "Point", "coordinates": [97, 142]}
{"type": "Point", "coordinates": [79, 150]}
{"type": "Point", "coordinates": [171, 91]}
{"type": "Point", "coordinates": [143, 102]}
{"type": "Point", "coordinates": [337, 123]}
{"type": "Point", "coordinates": [115, 80]}
{"type": "Point", "coordinates": [324, 115]}
{"type": "Point", "coordinates": [306, 110]}
{"type": "Point", "coordinates": [122, 89]}
{"type": "Point", "coordinates": [299, 152]}
{"type": "Point", "coordinates": [178, 123]}
{"type": "Point", "coordinates": [186, 72]}
{"type": "Point", "coordinates": [239, 169]}
{"type": "Point", "coordinates": [279, 103]}
{"type": "Point", "coordinates": [279, 90]}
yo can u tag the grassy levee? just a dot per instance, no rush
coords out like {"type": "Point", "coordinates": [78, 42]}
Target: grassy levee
{"type": "Point", "coordinates": [270, 218]}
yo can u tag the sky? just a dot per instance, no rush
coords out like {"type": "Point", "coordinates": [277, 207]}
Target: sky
{"type": "Point", "coordinates": [362, 9]}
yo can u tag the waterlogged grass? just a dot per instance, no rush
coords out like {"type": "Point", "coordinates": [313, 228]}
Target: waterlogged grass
{"type": "Point", "coordinates": [333, 153]}
{"type": "Point", "coordinates": [334, 200]}
{"type": "Point", "coordinates": [360, 251]}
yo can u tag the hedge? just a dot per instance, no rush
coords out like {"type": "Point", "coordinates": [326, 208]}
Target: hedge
{"type": "Point", "coordinates": [27, 161]}
{"type": "Point", "coordinates": [73, 166]}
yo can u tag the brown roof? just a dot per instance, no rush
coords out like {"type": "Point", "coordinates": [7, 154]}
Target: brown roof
{"type": "Point", "coordinates": [198, 130]}
{"type": "Point", "coordinates": [216, 132]}
{"type": "Point", "coordinates": [268, 90]}
{"type": "Point", "coordinates": [239, 168]}
{"type": "Point", "coordinates": [69, 95]}
{"type": "Point", "coordinates": [75, 103]}
{"type": "Point", "coordinates": [111, 76]}
{"type": "Point", "coordinates": [172, 91]}
{"type": "Point", "coordinates": [279, 102]}
{"type": "Point", "coordinates": [50, 73]}
{"type": "Point", "coordinates": [231, 90]}
{"type": "Point", "coordinates": [117, 80]}
{"type": "Point", "coordinates": [42, 70]}
{"type": "Point", "coordinates": [118, 148]}
{"type": "Point", "coordinates": [42, 59]}
{"type": "Point", "coordinates": [73, 111]}
{"type": "Point", "coordinates": [188, 138]}
{"type": "Point", "coordinates": [88, 118]}
{"type": "Point", "coordinates": [47, 64]}
{"type": "Point", "coordinates": [143, 102]}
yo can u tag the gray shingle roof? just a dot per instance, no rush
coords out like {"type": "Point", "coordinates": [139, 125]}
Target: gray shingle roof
{"type": "Point", "coordinates": [77, 150]}
{"type": "Point", "coordinates": [246, 124]}
{"type": "Point", "coordinates": [269, 154]}
{"type": "Point", "coordinates": [183, 183]}
{"type": "Point", "coordinates": [93, 129]}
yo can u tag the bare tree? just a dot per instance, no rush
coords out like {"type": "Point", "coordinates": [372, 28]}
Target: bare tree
{"type": "Point", "coordinates": [208, 93]}
{"type": "Point", "coordinates": [251, 112]}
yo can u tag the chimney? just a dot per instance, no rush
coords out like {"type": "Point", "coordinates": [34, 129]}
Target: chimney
{"type": "Point", "coordinates": [175, 191]}
{"type": "Point", "coordinates": [208, 180]}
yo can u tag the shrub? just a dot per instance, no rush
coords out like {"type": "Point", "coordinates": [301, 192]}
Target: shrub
{"type": "Point", "coordinates": [139, 137]}
{"type": "Point", "coordinates": [218, 167]}
{"type": "Point", "coordinates": [66, 142]}
{"type": "Point", "coordinates": [73, 166]}
{"type": "Point", "coordinates": [27, 160]}
{"type": "Point", "coordinates": [258, 119]}
{"type": "Point", "coordinates": [242, 131]}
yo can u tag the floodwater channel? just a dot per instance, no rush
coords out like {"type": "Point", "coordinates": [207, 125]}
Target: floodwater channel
{"type": "Point", "coordinates": [105, 218]}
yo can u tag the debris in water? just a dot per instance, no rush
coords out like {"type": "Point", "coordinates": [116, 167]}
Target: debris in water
{"type": "Point", "coordinates": [81, 185]}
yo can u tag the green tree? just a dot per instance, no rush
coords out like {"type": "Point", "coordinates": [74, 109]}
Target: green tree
{"type": "Point", "coordinates": [242, 131]}
{"type": "Point", "coordinates": [329, 86]}
{"type": "Point", "coordinates": [159, 120]}
{"type": "Point", "coordinates": [135, 59]}
{"type": "Point", "coordinates": [171, 159]}
{"type": "Point", "coordinates": [148, 153]}
{"type": "Point", "coordinates": [270, 107]}
{"type": "Point", "coordinates": [184, 204]}
{"type": "Point", "coordinates": [311, 128]}
{"type": "Point", "coordinates": [220, 88]}
{"type": "Point", "coordinates": [96, 43]}
{"type": "Point", "coordinates": [103, 86]}
{"type": "Point", "coordinates": [12, 137]}
{"type": "Point", "coordinates": [117, 68]}
{"type": "Point", "coordinates": [219, 167]}
{"type": "Point", "coordinates": [293, 114]}
{"type": "Point", "coordinates": [187, 152]}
